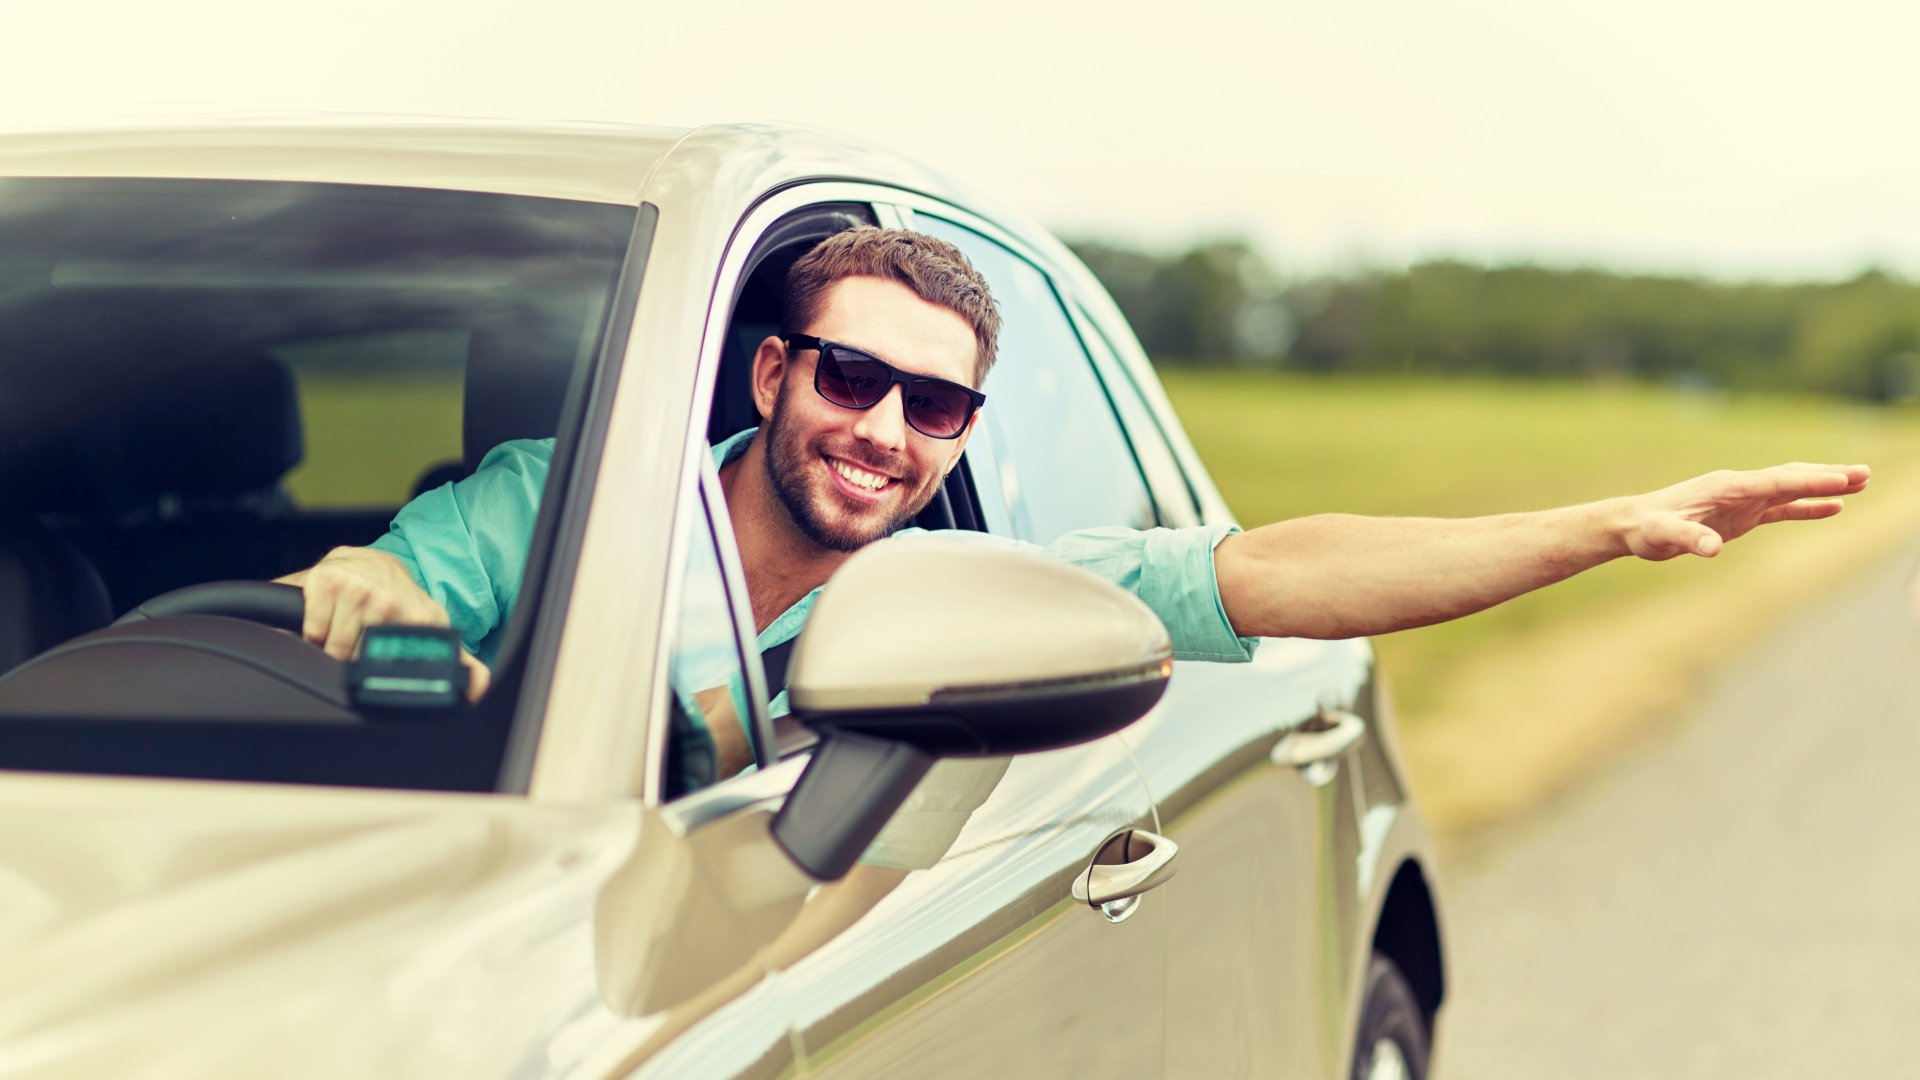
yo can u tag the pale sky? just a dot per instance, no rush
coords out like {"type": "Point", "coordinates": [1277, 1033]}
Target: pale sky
{"type": "Point", "coordinates": [1721, 136]}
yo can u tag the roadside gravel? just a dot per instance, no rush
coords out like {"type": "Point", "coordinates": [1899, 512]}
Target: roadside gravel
{"type": "Point", "coordinates": [1736, 895]}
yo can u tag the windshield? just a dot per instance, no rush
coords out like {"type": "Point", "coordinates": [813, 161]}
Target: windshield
{"type": "Point", "coordinates": [217, 380]}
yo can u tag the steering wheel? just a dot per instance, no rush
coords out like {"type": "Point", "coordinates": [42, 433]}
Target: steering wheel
{"type": "Point", "coordinates": [266, 602]}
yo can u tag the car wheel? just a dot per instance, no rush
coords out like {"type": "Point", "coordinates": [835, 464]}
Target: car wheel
{"type": "Point", "coordinates": [1392, 1043]}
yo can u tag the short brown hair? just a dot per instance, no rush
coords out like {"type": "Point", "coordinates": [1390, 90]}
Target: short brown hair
{"type": "Point", "coordinates": [935, 270]}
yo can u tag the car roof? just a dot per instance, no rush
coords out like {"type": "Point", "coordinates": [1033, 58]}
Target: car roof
{"type": "Point", "coordinates": [597, 162]}
{"type": "Point", "coordinates": [594, 162]}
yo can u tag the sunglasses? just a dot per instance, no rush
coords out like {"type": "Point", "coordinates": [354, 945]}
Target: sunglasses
{"type": "Point", "coordinates": [852, 379]}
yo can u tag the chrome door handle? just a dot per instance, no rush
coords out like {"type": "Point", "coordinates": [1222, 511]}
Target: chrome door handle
{"type": "Point", "coordinates": [1125, 867]}
{"type": "Point", "coordinates": [1315, 746]}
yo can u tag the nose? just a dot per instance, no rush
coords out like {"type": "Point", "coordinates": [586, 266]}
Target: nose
{"type": "Point", "coordinates": [884, 423]}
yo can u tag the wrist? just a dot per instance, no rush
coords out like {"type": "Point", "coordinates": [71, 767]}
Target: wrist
{"type": "Point", "coordinates": [1614, 524]}
{"type": "Point", "coordinates": [360, 555]}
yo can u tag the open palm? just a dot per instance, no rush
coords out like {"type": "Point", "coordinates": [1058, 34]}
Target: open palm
{"type": "Point", "coordinates": [1698, 516]}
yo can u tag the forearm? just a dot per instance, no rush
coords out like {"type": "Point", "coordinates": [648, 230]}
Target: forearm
{"type": "Point", "coordinates": [1338, 575]}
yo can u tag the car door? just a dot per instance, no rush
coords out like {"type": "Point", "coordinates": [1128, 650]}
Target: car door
{"type": "Point", "coordinates": [679, 927]}
{"type": "Point", "coordinates": [1245, 761]}
{"type": "Point", "coordinates": [955, 944]}
{"type": "Point", "coordinates": [974, 958]}
{"type": "Point", "coordinates": [1255, 981]}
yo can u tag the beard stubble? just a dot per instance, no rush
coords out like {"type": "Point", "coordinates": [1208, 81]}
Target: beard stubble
{"type": "Point", "coordinates": [789, 462]}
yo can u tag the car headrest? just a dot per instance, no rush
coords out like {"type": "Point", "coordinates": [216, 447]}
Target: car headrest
{"type": "Point", "coordinates": [107, 445]}
{"type": "Point", "coordinates": [226, 431]}
{"type": "Point", "coordinates": [517, 378]}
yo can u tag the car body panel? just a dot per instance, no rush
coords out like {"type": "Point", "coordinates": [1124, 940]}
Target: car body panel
{"type": "Point", "coordinates": [1262, 841]}
{"type": "Point", "coordinates": [135, 910]}
{"type": "Point", "coordinates": [989, 942]}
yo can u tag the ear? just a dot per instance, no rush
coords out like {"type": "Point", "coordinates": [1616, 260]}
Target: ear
{"type": "Point", "coordinates": [769, 371]}
{"type": "Point", "coordinates": [960, 444]}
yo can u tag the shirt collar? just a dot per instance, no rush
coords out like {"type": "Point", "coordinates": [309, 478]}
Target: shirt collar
{"type": "Point", "coordinates": [733, 446]}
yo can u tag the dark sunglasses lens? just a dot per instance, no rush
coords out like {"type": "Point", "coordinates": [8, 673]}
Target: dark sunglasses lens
{"type": "Point", "coordinates": [938, 409]}
{"type": "Point", "coordinates": [851, 381]}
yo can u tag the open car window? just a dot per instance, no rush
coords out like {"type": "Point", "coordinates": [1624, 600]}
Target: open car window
{"type": "Point", "coordinates": [215, 380]}
{"type": "Point", "coordinates": [716, 715]}
{"type": "Point", "coordinates": [1064, 461]}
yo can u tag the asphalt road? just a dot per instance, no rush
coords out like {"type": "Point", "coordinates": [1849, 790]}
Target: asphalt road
{"type": "Point", "coordinates": [1739, 896]}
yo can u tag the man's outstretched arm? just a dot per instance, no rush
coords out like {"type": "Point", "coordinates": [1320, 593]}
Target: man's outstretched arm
{"type": "Point", "coordinates": [1338, 575]}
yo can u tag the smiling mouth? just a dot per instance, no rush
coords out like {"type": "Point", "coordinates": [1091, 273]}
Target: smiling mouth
{"type": "Point", "coordinates": [861, 480]}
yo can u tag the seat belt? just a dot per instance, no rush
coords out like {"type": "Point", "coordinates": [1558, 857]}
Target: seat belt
{"type": "Point", "coordinates": [775, 661]}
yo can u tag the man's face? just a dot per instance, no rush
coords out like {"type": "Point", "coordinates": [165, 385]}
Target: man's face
{"type": "Point", "coordinates": [851, 476]}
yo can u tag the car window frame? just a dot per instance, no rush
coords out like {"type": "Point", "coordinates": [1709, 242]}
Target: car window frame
{"type": "Point", "coordinates": [531, 648]}
{"type": "Point", "coordinates": [774, 776]}
{"type": "Point", "coordinates": [709, 509]}
{"type": "Point", "coordinates": [490, 748]}
{"type": "Point", "coordinates": [912, 205]}
{"type": "Point", "coordinates": [1168, 481]}
{"type": "Point", "coordinates": [1132, 360]}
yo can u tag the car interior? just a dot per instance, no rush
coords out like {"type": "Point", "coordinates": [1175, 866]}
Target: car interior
{"type": "Point", "coordinates": [205, 382]}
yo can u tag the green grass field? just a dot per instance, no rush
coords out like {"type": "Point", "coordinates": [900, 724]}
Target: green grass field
{"type": "Point", "coordinates": [369, 439]}
{"type": "Point", "coordinates": [1285, 446]}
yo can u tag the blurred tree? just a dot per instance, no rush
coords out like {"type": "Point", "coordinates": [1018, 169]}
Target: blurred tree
{"type": "Point", "coordinates": [1215, 303]}
{"type": "Point", "coordinates": [1219, 302]}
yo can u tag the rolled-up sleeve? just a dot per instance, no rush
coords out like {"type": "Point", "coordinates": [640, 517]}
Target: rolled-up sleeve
{"type": "Point", "coordinates": [466, 543]}
{"type": "Point", "coordinates": [1171, 570]}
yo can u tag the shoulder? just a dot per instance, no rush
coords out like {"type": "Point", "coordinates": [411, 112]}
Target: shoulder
{"type": "Point", "coordinates": [518, 455]}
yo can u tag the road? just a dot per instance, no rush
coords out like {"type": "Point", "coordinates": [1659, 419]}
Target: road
{"type": "Point", "coordinates": [1739, 896]}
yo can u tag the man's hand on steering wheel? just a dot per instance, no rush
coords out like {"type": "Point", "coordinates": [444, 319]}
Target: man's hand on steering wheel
{"type": "Point", "coordinates": [353, 588]}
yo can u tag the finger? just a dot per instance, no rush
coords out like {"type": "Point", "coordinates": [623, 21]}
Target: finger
{"type": "Point", "coordinates": [421, 610]}
{"type": "Point", "coordinates": [320, 600]}
{"type": "Point", "coordinates": [1667, 537]}
{"type": "Point", "coordinates": [478, 677]}
{"type": "Point", "coordinates": [1857, 475]}
{"type": "Point", "coordinates": [1802, 511]}
{"type": "Point", "coordinates": [344, 633]}
{"type": "Point", "coordinates": [1785, 483]}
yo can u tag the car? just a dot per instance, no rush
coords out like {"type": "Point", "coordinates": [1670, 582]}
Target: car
{"type": "Point", "coordinates": [230, 346]}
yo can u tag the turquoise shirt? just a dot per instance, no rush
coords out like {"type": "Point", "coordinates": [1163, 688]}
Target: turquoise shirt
{"type": "Point", "coordinates": [466, 544]}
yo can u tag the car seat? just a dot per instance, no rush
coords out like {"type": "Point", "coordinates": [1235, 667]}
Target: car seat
{"type": "Point", "coordinates": [96, 472]}
{"type": "Point", "coordinates": [516, 384]}
{"type": "Point", "coordinates": [157, 478]}
{"type": "Point", "coordinates": [49, 591]}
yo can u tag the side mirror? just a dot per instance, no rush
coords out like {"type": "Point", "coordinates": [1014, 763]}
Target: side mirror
{"type": "Point", "coordinates": [930, 647]}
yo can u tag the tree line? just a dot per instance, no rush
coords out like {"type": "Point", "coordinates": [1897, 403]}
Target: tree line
{"type": "Point", "coordinates": [1220, 303]}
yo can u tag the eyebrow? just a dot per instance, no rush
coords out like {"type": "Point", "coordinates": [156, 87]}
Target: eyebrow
{"type": "Point", "coordinates": [890, 363]}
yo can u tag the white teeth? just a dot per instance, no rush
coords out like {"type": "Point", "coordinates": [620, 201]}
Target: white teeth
{"type": "Point", "coordinates": [859, 477]}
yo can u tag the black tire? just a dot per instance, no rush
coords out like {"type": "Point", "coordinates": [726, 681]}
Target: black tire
{"type": "Point", "coordinates": [1390, 1014]}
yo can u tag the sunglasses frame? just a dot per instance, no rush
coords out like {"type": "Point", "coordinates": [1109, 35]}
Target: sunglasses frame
{"type": "Point", "coordinates": [895, 376]}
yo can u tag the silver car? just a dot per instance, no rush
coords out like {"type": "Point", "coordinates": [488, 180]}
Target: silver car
{"type": "Point", "coordinates": [226, 348]}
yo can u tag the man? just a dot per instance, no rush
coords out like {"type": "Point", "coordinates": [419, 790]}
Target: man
{"type": "Point", "coordinates": [905, 317]}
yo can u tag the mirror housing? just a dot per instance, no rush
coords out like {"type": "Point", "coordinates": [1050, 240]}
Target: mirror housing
{"type": "Point", "coordinates": [925, 647]}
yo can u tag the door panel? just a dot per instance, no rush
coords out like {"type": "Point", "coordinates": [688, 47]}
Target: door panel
{"type": "Point", "coordinates": [1253, 967]}
{"type": "Point", "coordinates": [983, 965]}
